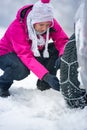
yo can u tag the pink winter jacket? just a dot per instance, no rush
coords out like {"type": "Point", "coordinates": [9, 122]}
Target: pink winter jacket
{"type": "Point", "coordinates": [16, 39]}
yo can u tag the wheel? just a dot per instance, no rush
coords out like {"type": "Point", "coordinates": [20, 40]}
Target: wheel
{"type": "Point", "coordinates": [69, 83]}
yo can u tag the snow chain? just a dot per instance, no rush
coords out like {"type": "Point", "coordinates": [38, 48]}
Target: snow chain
{"type": "Point", "coordinates": [69, 84]}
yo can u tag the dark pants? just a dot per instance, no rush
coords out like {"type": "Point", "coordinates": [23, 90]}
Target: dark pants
{"type": "Point", "coordinates": [49, 63]}
{"type": "Point", "coordinates": [14, 69]}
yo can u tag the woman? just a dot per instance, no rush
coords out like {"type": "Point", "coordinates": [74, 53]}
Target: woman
{"type": "Point", "coordinates": [24, 47]}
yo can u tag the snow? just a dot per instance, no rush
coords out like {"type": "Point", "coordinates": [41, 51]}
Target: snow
{"type": "Point", "coordinates": [31, 109]}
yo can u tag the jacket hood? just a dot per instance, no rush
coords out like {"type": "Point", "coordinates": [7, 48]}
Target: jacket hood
{"type": "Point", "coordinates": [23, 12]}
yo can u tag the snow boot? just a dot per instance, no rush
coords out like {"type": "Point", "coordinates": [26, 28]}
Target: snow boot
{"type": "Point", "coordinates": [74, 96]}
{"type": "Point", "coordinates": [4, 93]}
{"type": "Point", "coordinates": [4, 89]}
{"type": "Point", "coordinates": [42, 85]}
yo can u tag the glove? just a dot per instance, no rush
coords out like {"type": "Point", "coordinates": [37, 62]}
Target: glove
{"type": "Point", "coordinates": [52, 81]}
{"type": "Point", "coordinates": [57, 63]}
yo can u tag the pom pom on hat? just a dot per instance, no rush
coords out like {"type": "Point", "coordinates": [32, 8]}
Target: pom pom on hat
{"type": "Point", "coordinates": [45, 1]}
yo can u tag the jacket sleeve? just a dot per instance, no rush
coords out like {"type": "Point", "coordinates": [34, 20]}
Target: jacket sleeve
{"type": "Point", "coordinates": [59, 37]}
{"type": "Point", "coordinates": [21, 47]}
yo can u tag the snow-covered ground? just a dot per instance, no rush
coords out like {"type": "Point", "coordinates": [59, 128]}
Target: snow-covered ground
{"type": "Point", "coordinates": [30, 109]}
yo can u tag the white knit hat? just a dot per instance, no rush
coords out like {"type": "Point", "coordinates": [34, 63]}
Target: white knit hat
{"type": "Point", "coordinates": [42, 11]}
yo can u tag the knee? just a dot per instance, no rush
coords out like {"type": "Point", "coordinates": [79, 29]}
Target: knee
{"type": "Point", "coordinates": [20, 72]}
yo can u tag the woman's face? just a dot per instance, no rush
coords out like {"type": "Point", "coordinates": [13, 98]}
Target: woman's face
{"type": "Point", "coordinates": [42, 26]}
